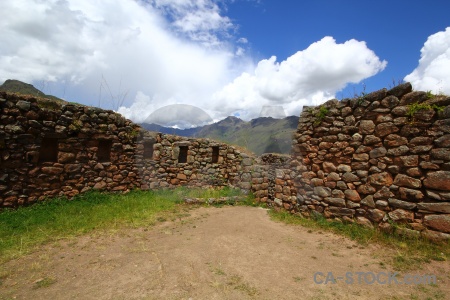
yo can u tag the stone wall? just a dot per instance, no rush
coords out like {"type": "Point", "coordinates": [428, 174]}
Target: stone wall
{"type": "Point", "coordinates": [272, 180]}
{"type": "Point", "coordinates": [47, 152]}
{"type": "Point", "coordinates": [50, 150]}
{"type": "Point", "coordinates": [383, 157]}
{"type": "Point", "coordinates": [207, 163]}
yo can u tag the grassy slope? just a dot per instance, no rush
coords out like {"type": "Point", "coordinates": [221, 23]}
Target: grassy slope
{"type": "Point", "coordinates": [19, 87]}
{"type": "Point", "coordinates": [262, 135]}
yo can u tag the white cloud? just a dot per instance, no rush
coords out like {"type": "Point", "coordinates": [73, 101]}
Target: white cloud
{"type": "Point", "coordinates": [308, 77]}
{"type": "Point", "coordinates": [200, 20]}
{"type": "Point", "coordinates": [240, 51]}
{"type": "Point", "coordinates": [143, 55]}
{"type": "Point", "coordinates": [141, 108]}
{"type": "Point", "coordinates": [39, 40]}
{"type": "Point", "coordinates": [242, 40]}
{"type": "Point", "coordinates": [102, 49]}
{"type": "Point", "coordinates": [433, 71]}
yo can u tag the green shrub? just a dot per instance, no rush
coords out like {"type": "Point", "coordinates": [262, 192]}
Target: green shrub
{"type": "Point", "coordinates": [320, 115]}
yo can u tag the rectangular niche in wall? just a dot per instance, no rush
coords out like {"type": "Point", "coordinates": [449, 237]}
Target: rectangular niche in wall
{"type": "Point", "coordinates": [215, 154]}
{"type": "Point", "coordinates": [182, 157]}
{"type": "Point", "coordinates": [104, 150]}
{"type": "Point", "coordinates": [148, 149]}
{"type": "Point", "coordinates": [49, 150]}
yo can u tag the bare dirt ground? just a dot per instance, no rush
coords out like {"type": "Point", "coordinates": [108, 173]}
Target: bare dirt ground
{"type": "Point", "coordinates": [214, 253]}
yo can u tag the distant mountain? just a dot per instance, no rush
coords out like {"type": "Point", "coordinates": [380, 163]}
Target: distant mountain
{"type": "Point", "coordinates": [190, 132]}
{"type": "Point", "coordinates": [16, 86]}
{"type": "Point", "coordinates": [260, 135]}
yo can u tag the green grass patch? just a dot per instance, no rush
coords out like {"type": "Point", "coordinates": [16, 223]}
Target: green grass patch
{"type": "Point", "coordinates": [320, 115]}
{"type": "Point", "coordinates": [27, 227]}
{"type": "Point", "coordinates": [207, 193]}
{"type": "Point", "coordinates": [409, 253]}
{"type": "Point", "coordinates": [414, 108]}
{"type": "Point", "coordinates": [44, 282]}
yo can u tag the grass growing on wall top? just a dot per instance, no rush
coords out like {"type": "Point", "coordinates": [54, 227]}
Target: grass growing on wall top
{"type": "Point", "coordinates": [23, 229]}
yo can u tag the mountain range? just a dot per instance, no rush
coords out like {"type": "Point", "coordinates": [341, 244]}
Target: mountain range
{"type": "Point", "coordinates": [260, 135]}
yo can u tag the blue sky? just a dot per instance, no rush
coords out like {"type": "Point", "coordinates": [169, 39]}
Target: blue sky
{"type": "Point", "coordinates": [394, 30]}
{"type": "Point", "coordinates": [227, 57]}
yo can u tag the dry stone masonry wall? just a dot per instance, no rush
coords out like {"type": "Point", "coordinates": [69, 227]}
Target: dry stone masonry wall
{"type": "Point", "coordinates": [49, 150]}
{"type": "Point", "coordinates": [378, 159]}
{"type": "Point", "coordinates": [272, 180]}
{"type": "Point", "coordinates": [381, 158]}
{"type": "Point", "coordinates": [176, 161]}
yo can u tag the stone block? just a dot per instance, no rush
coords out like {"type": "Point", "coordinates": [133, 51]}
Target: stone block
{"type": "Point", "coordinates": [399, 215]}
{"type": "Point", "coordinates": [352, 195]}
{"type": "Point", "coordinates": [406, 181]}
{"type": "Point", "coordinates": [443, 207]}
{"type": "Point", "coordinates": [376, 215]}
{"type": "Point", "coordinates": [438, 222]}
{"type": "Point", "coordinates": [366, 127]}
{"type": "Point", "coordinates": [401, 204]}
{"type": "Point", "coordinates": [384, 129]}
{"type": "Point", "coordinates": [439, 180]}
{"type": "Point", "coordinates": [339, 202]}
{"type": "Point", "coordinates": [380, 179]}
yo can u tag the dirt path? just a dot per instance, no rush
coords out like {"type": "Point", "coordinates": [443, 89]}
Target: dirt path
{"type": "Point", "coordinates": [215, 253]}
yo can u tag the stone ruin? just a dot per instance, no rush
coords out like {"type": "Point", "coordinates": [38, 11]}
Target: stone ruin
{"type": "Point", "coordinates": [70, 149]}
{"type": "Point", "coordinates": [378, 159]}
{"type": "Point", "coordinates": [381, 158]}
